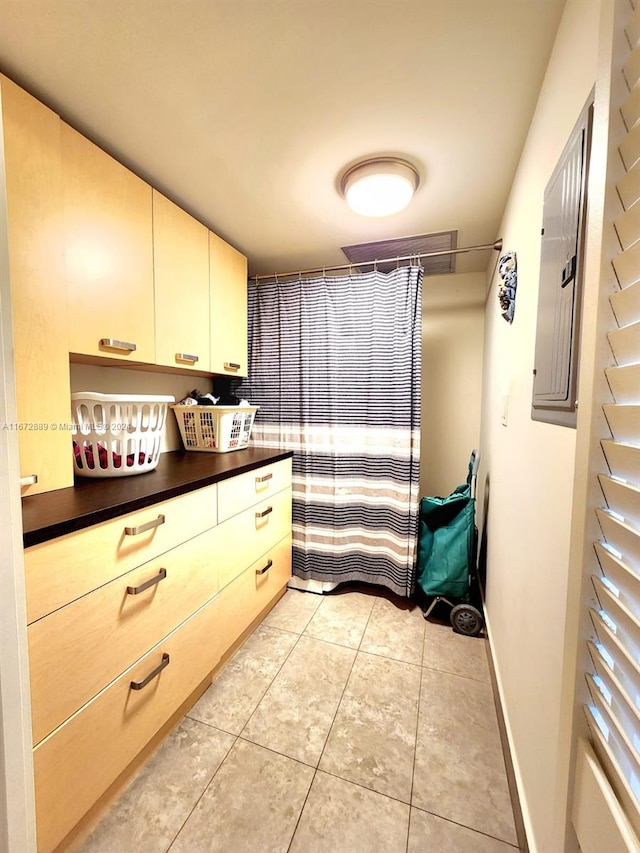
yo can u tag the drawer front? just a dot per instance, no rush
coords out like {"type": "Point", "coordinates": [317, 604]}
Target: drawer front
{"type": "Point", "coordinates": [246, 536]}
{"type": "Point", "coordinates": [77, 650]}
{"type": "Point", "coordinates": [74, 766]}
{"type": "Point", "coordinates": [59, 571]}
{"type": "Point", "coordinates": [245, 490]}
{"type": "Point", "coordinates": [255, 588]}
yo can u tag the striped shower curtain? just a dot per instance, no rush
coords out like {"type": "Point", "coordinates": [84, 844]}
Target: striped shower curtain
{"type": "Point", "coordinates": [334, 364]}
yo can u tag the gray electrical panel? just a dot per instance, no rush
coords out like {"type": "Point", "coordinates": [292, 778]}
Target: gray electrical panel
{"type": "Point", "coordinates": [560, 294]}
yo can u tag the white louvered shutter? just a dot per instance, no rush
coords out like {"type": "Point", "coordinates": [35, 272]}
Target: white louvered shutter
{"type": "Point", "coordinates": [613, 712]}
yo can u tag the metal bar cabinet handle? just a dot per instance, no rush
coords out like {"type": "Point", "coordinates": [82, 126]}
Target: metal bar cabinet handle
{"type": "Point", "coordinates": [112, 343]}
{"type": "Point", "coordinates": [264, 512]}
{"type": "Point", "coordinates": [184, 356]}
{"type": "Point", "coordinates": [142, 528]}
{"type": "Point", "coordinates": [138, 685]}
{"type": "Point", "coordinates": [231, 365]}
{"type": "Point", "coordinates": [264, 478]}
{"type": "Point", "coordinates": [135, 590]}
{"type": "Point", "coordinates": [264, 568]}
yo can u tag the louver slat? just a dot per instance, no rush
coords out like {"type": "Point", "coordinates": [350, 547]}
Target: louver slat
{"type": "Point", "coordinates": [617, 738]}
{"type": "Point", "coordinates": [629, 187]}
{"type": "Point", "coordinates": [624, 684]}
{"type": "Point", "coordinates": [617, 656]}
{"type": "Point", "coordinates": [617, 704]}
{"type": "Point", "coordinates": [625, 343]}
{"type": "Point", "coordinates": [631, 69]}
{"type": "Point", "coordinates": [630, 148]}
{"type": "Point", "coordinates": [631, 109]}
{"type": "Point", "coordinates": [627, 225]}
{"type": "Point", "coordinates": [621, 536]}
{"type": "Point", "coordinates": [626, 303]}
{"type": "Point", "coordinates": [627, 627]}
{"type": "Point", "coordinates": [624, 423]}
{"type": "Point", "coordinates": [623, 460]}
{"type": "Point", "coordinates": [625, 383]}
{"type": "Point", "coordinates": [618, 765]}
{"type": "Point", "coordinates": [627, 265]}
{"type": "Point", "coordinates": [632, 28]}
{"type": "Point", "coordinates": [623, 499]}
{"type": "Point", "coordinates": [625, 581]}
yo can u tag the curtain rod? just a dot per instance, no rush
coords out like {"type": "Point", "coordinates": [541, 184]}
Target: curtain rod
{"type": "Point", "coordinates": [497, 246]}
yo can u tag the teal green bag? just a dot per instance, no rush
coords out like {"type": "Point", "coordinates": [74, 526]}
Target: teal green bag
{"type": "Point", "coordinates": [446, 542]}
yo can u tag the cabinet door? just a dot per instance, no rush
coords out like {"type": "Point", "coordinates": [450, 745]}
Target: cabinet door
{"type": "Point", "coordinates": [228, 281]}
{"type": "Point", "coordinates": [109, 254]}
{"type": "Point", "coordinates": [38, 297]}
{"type": "Point", "coordinates": [181, 281]}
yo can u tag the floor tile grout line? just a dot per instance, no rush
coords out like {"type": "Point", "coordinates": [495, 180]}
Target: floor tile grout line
{"type": "Point", "coordinates": [466, 826]}
{"type": "Point", "coordinates": [315, 770]}
{"type": "Point", "coordinates": [415, 745]}
{"type": "Point", "coordinates": [204, 791]}
{"type": "Point", "coordinates": [457, 674]}
{"type": "Point", "coordinates": [295, 829]}
{"type": "Point", "coordinates": [285, 659]}
{"type": "Point", "coordinates": [291, 630]}
{"type": "Point", "coordinates": [339, 703]}
{"type": "Point", "coordinates": [277, 752]}
{"type": "Point", "coordinates": [365, 787]}
{"type": "Point", "coordinates": [236, 737]}
{"type": "Point", "coordinates": [359, 651]}
{"type": "Point", "coordinates": [270, 685]}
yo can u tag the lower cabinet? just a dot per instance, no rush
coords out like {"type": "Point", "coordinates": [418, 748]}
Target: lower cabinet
{"type": "Point", "coordinates": [111, 667]}
{"type": "Point", "coordinates": [77, 763]}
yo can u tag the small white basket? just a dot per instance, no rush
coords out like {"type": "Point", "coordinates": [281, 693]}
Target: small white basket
{"type": "Point", "coordinates": [216, 429]}
{"type": "Point", "coordinates": [117, 435]}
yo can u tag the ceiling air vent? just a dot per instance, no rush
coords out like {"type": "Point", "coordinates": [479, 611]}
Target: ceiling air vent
{"type": "Point", "coordinates": [403, 247]}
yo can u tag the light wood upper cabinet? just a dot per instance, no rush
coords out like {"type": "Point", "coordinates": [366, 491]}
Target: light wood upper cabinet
{"type": "Point", "coordinates": [181, 282]}
{"type": "Point", "coordinates": [109, 254]}
{"type": "Point", "coordinates": [38, 295]}
{"type": "Point", "coordinates": [228, 281]}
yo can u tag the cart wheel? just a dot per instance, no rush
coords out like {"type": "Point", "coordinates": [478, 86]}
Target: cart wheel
{"type": "Point", "coordinates": [466, 619]}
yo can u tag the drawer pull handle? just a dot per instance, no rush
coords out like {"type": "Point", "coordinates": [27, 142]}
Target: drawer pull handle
{"type": "Point", "coordinates": [135, 590]}
{"type": "Point", "coordinates": [138, 685]}
{"type": "Point", "coordinates": [264, 512]}
{"type": "Point", "coordinates": [29, 480]}
{"type": "Point", "coordinates": [231, 365]}
{"type": "Point", "coordinates": [112, 343]}
{"type": "Point", "coordinates": [264, 568]}
{"type": "Point", "coordinates": [184, 356]}
{"type": "Point", "coordinates": [264, 478]}
{"type": "Point", "coordinates": [142, 528]}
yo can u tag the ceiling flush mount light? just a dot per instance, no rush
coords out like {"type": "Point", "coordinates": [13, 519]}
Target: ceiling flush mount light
{"type": "Point", "coordinates": [380, 186]}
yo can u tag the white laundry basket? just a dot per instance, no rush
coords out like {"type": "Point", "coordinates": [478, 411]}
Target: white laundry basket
{"type": "Point", "coordinates": [216, 429]}
{"type": "Point", "coordinates": [117, 435]}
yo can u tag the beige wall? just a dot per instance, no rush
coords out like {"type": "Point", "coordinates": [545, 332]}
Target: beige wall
{"type": "Point", "coordinates": [452, 341]}
{"type": "Point", "coordinates": [530, 465]}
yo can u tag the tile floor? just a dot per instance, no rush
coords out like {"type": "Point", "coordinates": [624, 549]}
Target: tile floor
{"type": "Point", "coordinates": [346, 724]}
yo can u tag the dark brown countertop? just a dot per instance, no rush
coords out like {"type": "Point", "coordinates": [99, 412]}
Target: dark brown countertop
{"type": "Point", "coordinates": [92, 501]}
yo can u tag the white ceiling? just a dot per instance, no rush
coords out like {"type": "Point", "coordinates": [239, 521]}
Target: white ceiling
{"type": "Point", "coordinates": [245, 112]}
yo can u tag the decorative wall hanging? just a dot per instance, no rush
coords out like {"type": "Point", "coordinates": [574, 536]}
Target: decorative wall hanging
{"type": "Point", "coordinates": [508, 269]}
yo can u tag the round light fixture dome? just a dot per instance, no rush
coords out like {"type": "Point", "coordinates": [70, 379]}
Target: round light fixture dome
{"type": "Point", "coordinates": [380, 186]}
